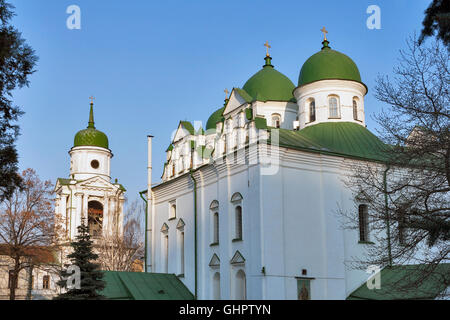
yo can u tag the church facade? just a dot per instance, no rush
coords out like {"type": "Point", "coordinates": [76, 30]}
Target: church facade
{"type": "Point", "coordinates": [247, 206]}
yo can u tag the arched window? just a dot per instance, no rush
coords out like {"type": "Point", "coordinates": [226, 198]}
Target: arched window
{"type": "Point", "coordinates": [363, 223]}
{"type": "Point", "coordinates": [165, 248]}
{"type": "Point", "coordinates": [240, 286]}
{"type": "Point", "coordinates": [333, 104]}
{"type": "Point", "coordinates": [95, 218]}
{"type": "Point", "coordinates": [276, 120]}
{"type": "Point", "coordinates": [173, 210]}
{"type": "Point", "coordinates": [355, 109]}
{"type": "Point", "coordinates": [238, 220]}
{"type": "Point", "coordinates": [312, 111]}
{"type": "Point", "coordinates": [216, 286]}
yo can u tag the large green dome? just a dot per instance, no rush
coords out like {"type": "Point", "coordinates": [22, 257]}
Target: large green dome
{"type": "Point", "coordinates": [269, 84]}
{"type": "Point", "coordinates": [328, 64]}
{"type": "Point", "coordinates": [91, 136]}
{"type": "Point", "coordinates": [214, 118]}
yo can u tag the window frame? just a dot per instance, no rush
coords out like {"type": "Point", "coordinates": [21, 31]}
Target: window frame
{"type": "Point", "coordinates": [338, 107]}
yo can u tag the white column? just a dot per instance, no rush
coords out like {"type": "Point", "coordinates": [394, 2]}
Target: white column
{"type": "Point", "coordinates": [107, 214]}
{"type": "Point", "coordinates": [77, 216]}
{"type": "Point", "coordinates": [63, 212]}
{"type": "Point", "coordinates": [85, 208]}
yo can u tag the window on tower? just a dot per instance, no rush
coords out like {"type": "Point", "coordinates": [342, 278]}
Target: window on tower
{"type": "Point", "coordinates": [363, 223]}
{"type": "Point", "coordinates": [355, 109]}
{"type": "Point", "coordinates": [95, 218]}
{"type": "Point", "coordinates": [95, 164]}
{"type": "Point", "coordinates": [312, 111]}
{"type": "Point", "coordinates": [333, 104]}
{"type": "Point", "coordinates": [276, 120]}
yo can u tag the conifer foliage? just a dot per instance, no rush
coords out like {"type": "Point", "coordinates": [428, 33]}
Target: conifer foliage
{"type": "Point", "coordinates": [84, 257]}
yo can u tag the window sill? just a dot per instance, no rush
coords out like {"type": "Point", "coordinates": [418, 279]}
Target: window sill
{"type": "Point", "coordinates": [236, 240]}
{"type": "Point", "coordinates": [334, 118]}
{"type": "Point", "coordinates": [214, 244]}
{"type": "Point", "coordinates": [180, 275]}
{"type": "Point", "coordinates": [366, 242]}
{"type": "Point", "coordinates": [170, 219]}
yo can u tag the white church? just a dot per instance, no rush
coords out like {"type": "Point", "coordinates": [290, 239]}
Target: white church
{"type": "Point", "coordinates": [247, 205]}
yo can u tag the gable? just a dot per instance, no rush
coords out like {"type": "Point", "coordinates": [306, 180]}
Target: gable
{"type": "Point", "coordinates": [184, 129]}
{"type": "Point", "coordinates": [215, 261]}
{"type": "Point", "coordinates": [97, 182]}
{"type": "Point", "coordinates": [238, 258]}
{"type": "Point", "coordinates": [238, 97]}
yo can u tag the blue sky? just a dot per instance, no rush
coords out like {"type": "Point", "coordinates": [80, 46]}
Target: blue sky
{"type": "Point", "coordinates": [151, 64]}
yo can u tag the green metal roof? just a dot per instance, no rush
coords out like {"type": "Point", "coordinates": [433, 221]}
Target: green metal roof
{"type": "Point", "coordinates": [394, 278]}
{"type": "Point", "coordinates": [91, 136]}
{"type": "Point", "coordinates": [188, 126]}
{"type": "Point", "coordinates": [64, 181]}
{"type": "Point", "coordinates": [337, 138]}
{"type": "Point", "coordinates": [328, 64]}
{"type": "Point", "coordinates": [214, 118]}
{"type": "Point", "coordinates": [269, 84]}
{"type": "Point", "coordinates": [144, 286]}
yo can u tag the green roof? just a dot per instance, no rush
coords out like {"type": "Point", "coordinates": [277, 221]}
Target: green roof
{"type": "Point", "coordinates": [397, 282]}
{"type": "Point", "coordinates": [269, 84]}
{"type": "Point", "coordinates": [144, 286]}
{"type": "Point", "coordinates": [337, 138]}
{"type": "Point", "coordinates": [63, 181]}
{"type": "Point", "coordinates": [91, 136]}
{"type": "Point", "coordinates": [188, 126]}
{"type": "Point", "coordinates": [328, 64]}
{"type": "Point", "coordinates": [214, 118]}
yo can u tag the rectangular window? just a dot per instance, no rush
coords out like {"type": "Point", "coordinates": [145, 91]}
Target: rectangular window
{"type": "Point", "coordinates": [46, 282]}
{"type": "Point", "coordinates": [363, 223]}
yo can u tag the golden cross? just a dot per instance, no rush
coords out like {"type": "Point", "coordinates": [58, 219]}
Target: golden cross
{"type": "Point", "coordinates": [92, 99]}
{"type": "Point", "coordinates": [324, 33]}
{"type": "Point", "coordinates": [226, 93]}
{"type": "Point", "coordinates": [267, 46]}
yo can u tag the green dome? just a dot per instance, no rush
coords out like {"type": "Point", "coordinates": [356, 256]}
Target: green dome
{"type": "Point", "coordinates": [269, 84]}
{"type": "Point", "coordinates": [328, 64]}
{"type": "Point", "coordinates": [91, 136]}
{"type": "Point", "coordinates": [214, 118]}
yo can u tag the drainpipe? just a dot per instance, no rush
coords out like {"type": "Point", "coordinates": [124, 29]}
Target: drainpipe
{"type": "Point", "coordinates": [387, 214]}
{"type": "Point", "coordinates": [145, 233]}
{"type": "Point", "coordinates": [195, 228]}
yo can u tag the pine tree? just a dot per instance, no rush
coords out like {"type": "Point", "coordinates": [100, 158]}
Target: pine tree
{"type": "Point", "coordinates": [91, 276]}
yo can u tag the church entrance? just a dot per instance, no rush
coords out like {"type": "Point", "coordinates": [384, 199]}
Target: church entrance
{"type": "Point", "coordinates": [95, 218]}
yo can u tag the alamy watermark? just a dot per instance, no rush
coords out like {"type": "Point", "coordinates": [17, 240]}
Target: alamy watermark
{"type": "Point", "coordinates": [374, 280]}
{"type": "Point", "coordinates": [74, 20]}
{"type": "Point", "coordinates": [374, 20]}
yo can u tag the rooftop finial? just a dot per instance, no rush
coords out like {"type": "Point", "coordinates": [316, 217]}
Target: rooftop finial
{"type": "Point", "coordinates": [324, 33]}
{"type": "Point", "coordinates": [91, 114]}
{"type": "Point", "coordinates": [325, 42]}
{"type": "Point", "coordinates": [267, 45]}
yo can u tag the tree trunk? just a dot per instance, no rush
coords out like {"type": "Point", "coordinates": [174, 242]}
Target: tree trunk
{"type": "Point", "coordinates": [14, 279]}
{"type": "Point", "coordinates": [30, 282]}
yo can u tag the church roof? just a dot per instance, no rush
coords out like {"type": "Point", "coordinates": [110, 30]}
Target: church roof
{"type": "Point", "coordinates": [269, 84]}
{"type": "Point", "coordinates": [91, 136]}
{"type": "Point", "coordinates": [214, 118]}
{"type": "Point", "coordinates": [328, 64]}
{"type": "Point", "coordinates": [336, 138]}
{"type": "Point", "coordinates": [122, 285]}
{"type": "Point", "coordinates": [396, 277]}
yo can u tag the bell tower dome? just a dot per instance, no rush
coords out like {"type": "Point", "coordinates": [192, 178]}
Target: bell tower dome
{"type": "Point", "coordinates": [90, 155]}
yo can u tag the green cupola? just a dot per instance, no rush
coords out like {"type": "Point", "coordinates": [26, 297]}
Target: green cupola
{"type": "Point", "coordinates": [91, 136]}
{"type": "Point", "coordinates": [328, 64]}
{"type": "Point", "coordinates": [269, 84]}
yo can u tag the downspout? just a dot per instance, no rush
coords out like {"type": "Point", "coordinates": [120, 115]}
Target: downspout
{"type": "Point", "coordinates": [388, 223]}
{"type": "Point", "coordinates": [145, 243]}
{"type": "Point", "coordinates": [195, 229]}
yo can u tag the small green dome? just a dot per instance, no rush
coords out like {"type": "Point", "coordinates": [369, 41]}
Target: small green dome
{"type": "Point", "coordinates": [91, 136]}
{"type": "Point", "coordinates": [328, 64]}
{"type": "Point", "coordinates": [214, 118]}
{"type": "Point", "coordinates": [269, 84]}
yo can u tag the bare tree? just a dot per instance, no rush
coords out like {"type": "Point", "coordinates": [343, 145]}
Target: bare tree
{"type": "Point", "coordinates": [120, 249]}
{"type": "Point", "coordinates": [408, 194]}
{"type": "Point", "coordinates": [27, 224]}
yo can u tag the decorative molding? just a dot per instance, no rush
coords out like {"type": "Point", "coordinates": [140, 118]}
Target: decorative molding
{"type": "Point", "coordinates": [238, 258]}
{"type": "Point", "coordinates": [180, 225]}
{"type": "Point", "coordinates": [215, 261]}
{"type": "Point", "coordinates": [214, 205]}
{"type": "Point", "coordinates": [165, 228]}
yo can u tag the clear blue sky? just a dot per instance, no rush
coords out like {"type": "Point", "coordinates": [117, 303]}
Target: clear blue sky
{"type": "Point", "coordinates": [152, 63]}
